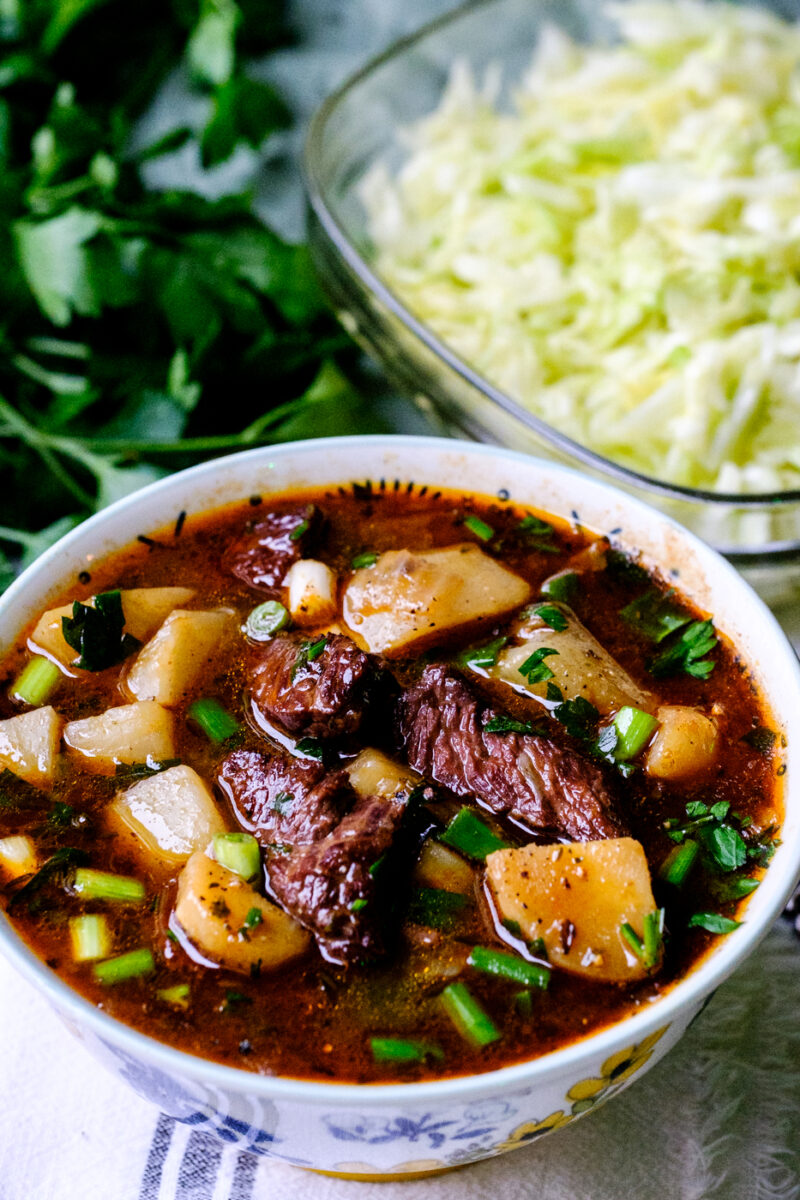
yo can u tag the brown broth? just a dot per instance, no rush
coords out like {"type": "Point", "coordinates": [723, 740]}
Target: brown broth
{"type": "Point", "coordinates": [313, 1020]}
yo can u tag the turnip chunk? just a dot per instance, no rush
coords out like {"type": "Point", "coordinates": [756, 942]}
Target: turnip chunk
{"type": "Point", "coordinates": [440, 867]}
{"type": "Point", "coordinates": [686, 743]}
{"type": "Point", "coordinates": [411, 597]}
{"type": "Point", "coordinates": [144, 610]}
{"type": "Point", "coordinates": [17, 857]}
{"type": "Point", "coordinates": [312, 589]}
{"type": "Point", "coordinates": [171, 661]}
{"type": "Point", "coordinates": [373, 774]}
{"type": "Point", "coordinates": [576, 899]}
{"type": "Point", "coordinates": [29, 745]}
{"type": "Point", "coordinates": [168, 816]}
{"type": "Point", "coordinates": [230, 923]}
{"type": "Point", "coordinates": [132, 733]}
{"type": "Point", "coordinates": [582, 667]}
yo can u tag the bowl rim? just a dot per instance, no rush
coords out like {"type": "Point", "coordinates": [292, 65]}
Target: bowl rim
{"type": "Point", "coordinates": [369, 278]}
{"type": "Point", "coordinates": [684, 997]}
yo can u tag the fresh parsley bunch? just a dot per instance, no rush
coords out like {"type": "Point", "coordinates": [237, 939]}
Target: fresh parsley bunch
{"type": "Point", "coordinates": [140, 330]}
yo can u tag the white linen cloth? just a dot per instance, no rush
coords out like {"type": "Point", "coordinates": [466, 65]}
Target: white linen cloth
{"type": "Point", "coordinates": [717, 1119]}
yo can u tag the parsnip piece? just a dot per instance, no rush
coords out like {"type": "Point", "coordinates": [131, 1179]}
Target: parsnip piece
{"type": "Point", "coordinates": [410, 597]}
{"type": "Point", "coordinates": [144, 610]}
{"type": "Point", "coordinates": [440, 867]}
{"type": "Point", "coordinates": [215, 909]}
{"type": "Point", "coordinates": [168, 816]}
{"type": "Point", "coordinates": [373, 774]}
{"type": "Point", "coordinates": [312, 592]}
{"type": "Point", "coordinates": [582, 667]}
{"type": "Point", "coordinates": [576, 898]}
{"type": "Point", "coordinates": [29, 745]}
{"type": "Point", "coordinates": [17, 857]}
{"type": "Point", "coordinates": [171, 661]}
{"type": "Point", "coordinates": [132, 733]}
{"type": "Point", "coordinates": [686, 743]}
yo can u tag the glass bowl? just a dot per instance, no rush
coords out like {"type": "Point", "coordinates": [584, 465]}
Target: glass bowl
{"type": "Point", "coordinates": [356, 128]}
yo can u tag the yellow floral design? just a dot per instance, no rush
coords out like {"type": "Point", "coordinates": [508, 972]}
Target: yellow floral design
{"type": "Point", "coordinates": [588, 1092]}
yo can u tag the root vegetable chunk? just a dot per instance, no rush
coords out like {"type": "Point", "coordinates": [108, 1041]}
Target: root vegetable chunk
{"type": "Point", "coordinates": [168, 816]}
{"type": "Point", "coordinates": [576, 898]}
{"type": "Point", "coordinates": [439, 867]}
{"type": "Point", "coordinates": [132, 733]}
{"type": "Point", "coordinates": [144, 610]}
{"type": "Point", "coordinates": [373, 774]}
{"type": "Point", "coordinates": [17, 857]}
{"type": "Point", "coordinates": [29, 745]}
{"type": "Point", "coordinates": [411, 597]}
{"type": "Point", "coordinates": [312, 592]}
{"type": "Point", "coordinates": [582, 667]}
{"type": "Point", "coordinates": [227, 920]}
{"type": "Point", "coordinates": [685, 743]}
{"type": "Point", "coordinates": [170, 663]}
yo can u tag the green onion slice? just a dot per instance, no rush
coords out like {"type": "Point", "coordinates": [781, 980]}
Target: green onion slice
{"type": "Point", "coordinates": [508, 966]}
{"type": "Point", "coordinates": [215, 721]}
{"type": "Point", "coordinates": [404, 1050]}
{"type": "Point", "coordinates": [634, 729]}
{"type": "Point", "coordinates": [126, 966]}
{"type": "Point", "coordinates": [479, 527]}
{"type": "Point", "coordinates": [238, 852]}
{"type": "Point", "coordinates": [178, 995]}
{"type": "Point", "coordinates": [266, 620]}
{"type": "Point", "coordinates": [102, 885]}
{"type": "Point", "coordinates": [469, 1017]}
{"type": "Point", "coordinates": [36, 682]}
{"type": "Point", "coordinates": [91, 937]}
{"type": "Point", "coordinates": [677, 866]}
{"type": "Point", "coordinates": [367, 559]}
{"type": "Point", "coordinates": [467, 833]}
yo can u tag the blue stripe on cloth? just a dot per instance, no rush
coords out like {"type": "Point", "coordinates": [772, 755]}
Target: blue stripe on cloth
{"type": "Point", "coordinates": [244, 1176]}
{"type": "Point", "coordinates": [199, 1167]}
{"type": "Point", "coordinates": [154, 1167]}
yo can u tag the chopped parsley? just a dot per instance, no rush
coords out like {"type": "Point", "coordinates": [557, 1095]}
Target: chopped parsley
{"type": "Point", "coordinates": [96, 633]}
{"type": "Point", "coordinates": [298, 531]}
{"type": "Point", "coordinates": [310, 747]}
{"type": "Point", "coordinates": [537, 534]}
{"type": "Point", "coordinates": [308, 653]}
{"type": "Point", "coordinates": [253, 918]}
{"type": "Point", "coordinates": [713, 922]}
{"type": "Point", "coordinates": [551, 616]}
{"type": "Point", "coordinates": [282, 803]}
{"type": "Point", "coordinates": [686, 653]}
{"type": "Point", "coordinates": [481, 657]}
{"type": "Point", "coordinates": [654, 615]}
{"type": "Point", "coordinates": [534, 668]}
{"type": "Point", "coordinates": [578, 717]}
{"type": "Point", "coordinates": [359, 904]}
{"type": "Point", "coordinates": [368, 559]}
{"type": "Point", "coordinates": [503, 724]}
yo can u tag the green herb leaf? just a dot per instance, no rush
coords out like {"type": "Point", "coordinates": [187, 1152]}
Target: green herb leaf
{"type": "Point", "coordinates": [478, 527]}
{"type": "Point", "coordinates": [501, 724]}
{"type": "Point", "coordinates": [654, 615]}
{"type": "Point", "coordinates": [367, 559]}
{"type": "Point", "coordinates": [578, 717]}
{"type": "Point", "coordinates": [309, 747]}
{"type": "Point", "coordinates": [551, 616]}
{"type": "Point", "coordinates": [534, 669]}
{"type": "Point", "coordinates": [481, 657]}
{"type": "Point", "coordinates": [713, 922]}
{"type": "Point", "coordinates": [687, 653]}
{"type": "Point", "coordinates": [96, 633]}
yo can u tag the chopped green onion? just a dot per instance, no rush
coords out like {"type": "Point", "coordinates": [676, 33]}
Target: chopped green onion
{"type": "Point", "coordinates": [552, 616]}
{"type": "Point", "coordinates": [648, 948]}
{"type": "Point", "coordinates": [102, 885]}
{"type": "Point", "coordinates": [713, 922]}
{"type": "Point", "coordinates": [298, 531]}
{"type": "Point", "coordinates": [503, 724]}
{"type": "Point", "coordinates": [632, 938]}
{"type": "Point", "coordinates": [563, 586]}
{"type": "Point", "coordinates": [436, 907]}
{"type": "Point", "coordinates": [678, 863]}
{"type": "Point", "coordinates": [523, 1003]}
{"type": "Point", "coordinates": [508, 966]}
{"type": "Point", "coordinates": [634, 729]}
{"type": "Point", "coordinates": [534, 669]}
{"type": "Point", "coordinates": [404, 1050]}
{"type": "Point", "coordinates": [359, 904]}
{"type": "Point", "coordinates": [178, 995]}
{"type": "Point", "coordinates": [91, 937]}
{"type": "Point", "coordinates": [216, 723]}
{"type": "Point", "coordinates": [469, 1017]}
{"type": "Point", "coordinates": [479, 527]}
{"type": "Point", "coordinates": [238, 852]}
{"type": "Point", "coordinates": [468, 833]}
{"type": "Point", "coordinates": [36, 682]}
{"type": "Point", "coordinates": [368, 559]}
{"type": "Point", "coordinates": [265, 620]}
{"type": "Point", "coordinates": [127, 966]}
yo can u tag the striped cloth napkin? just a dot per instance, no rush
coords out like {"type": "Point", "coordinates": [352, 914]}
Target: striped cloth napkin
{"type": "Point", "coordinates": [718, 1119]}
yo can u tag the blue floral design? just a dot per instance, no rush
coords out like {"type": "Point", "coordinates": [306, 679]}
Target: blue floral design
{"type": "Point", "coordinates": [476, 1121]}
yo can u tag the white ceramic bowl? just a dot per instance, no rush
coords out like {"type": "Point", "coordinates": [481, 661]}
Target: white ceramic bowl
{"type": "Point", "coordinates": [403, 1129]}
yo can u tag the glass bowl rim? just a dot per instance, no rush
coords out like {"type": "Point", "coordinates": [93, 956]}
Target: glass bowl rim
{"type": "Point", "coordinates": [317, 197]}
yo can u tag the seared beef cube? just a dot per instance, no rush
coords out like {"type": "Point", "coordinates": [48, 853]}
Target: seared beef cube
{"type": "Point", "coordinates": [332, 886]}
{"type": "Point", "coordinates": [550, 788]}
{"type": "Point", "coordinates": [326, 697]}
{"type": "Point", "coordinates": [285, 799]}
{"type": "Point", "coordinates": [262, 556]}
{"type": "Point", "coordinates": [323, 840]}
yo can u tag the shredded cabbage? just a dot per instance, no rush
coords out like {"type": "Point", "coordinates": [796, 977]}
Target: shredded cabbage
{"type": "Point", "coordinates": [621, 251]}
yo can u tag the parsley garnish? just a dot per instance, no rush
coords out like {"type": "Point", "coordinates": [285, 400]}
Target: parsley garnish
{"type": "Point", "coordinates": [253, 918]}
{"type": "Point", "coordinates": [686, 653]}
{"type": "Point", "coordinates": [551, 616]}
{"type": "Point", "coordinates": [367, 559]}
{"type": "Point", "coordinates": [578, 717]}
{"type": "Point", "coordinates": [307, 653]}
{"type": "Point", "coordinates": [713, 922]}
{"type": "Point", "coordinates": [537, 534]}
{"type": "Point", "coordinates": [481, 657]}
{"type": "Point", "coordinates": [283, 803]}
{"type": "Point", "coordinates": [309, 747]}
{"type": "Point", "coordinates": [534, 668]}
{"type": "Point", "coordinates": [507, 725]}
{"type": "Point", "coordinates": [96, 633]}
{"type": "Point", "coordinates": [654, 615]}
{"type": "Point", "coordinates": [298, 531]}
{"type": "Point", "coordinates": [478, 527]}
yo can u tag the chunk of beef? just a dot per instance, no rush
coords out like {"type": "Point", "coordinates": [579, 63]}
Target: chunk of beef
{"type": "Point", "coordinates": [322, 845]}
{"type": "Point", "coordinates": [284, 799]}
{"type": "Point", "coordinates": [262, 556]}
{"type": "Point", "coordinates": [325, 698]}
{"type": "Point", "coordinates": [550, 788]}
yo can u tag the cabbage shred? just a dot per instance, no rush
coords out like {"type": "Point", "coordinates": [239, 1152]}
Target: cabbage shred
{"type": "Point", "coordinates": [620, 250]}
